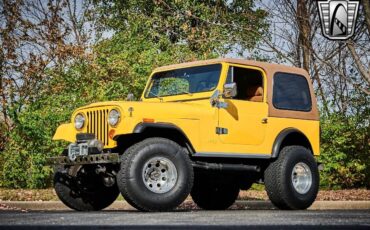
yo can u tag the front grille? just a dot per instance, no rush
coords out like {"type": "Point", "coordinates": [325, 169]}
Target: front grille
{"type": "Point", "coordinates": [98, 124]}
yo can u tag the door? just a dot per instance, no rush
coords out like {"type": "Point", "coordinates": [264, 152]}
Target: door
{"type": "Point", "coordinates": [243, 122]}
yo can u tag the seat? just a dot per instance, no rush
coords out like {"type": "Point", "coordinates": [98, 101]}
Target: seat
{"type": "Point", "coordinates": [254, 93]}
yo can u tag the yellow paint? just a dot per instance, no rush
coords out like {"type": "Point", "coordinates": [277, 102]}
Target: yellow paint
{"type": "Point", "coordinates": [65, 132]}
{"type": "Point", "coordinates": [193, 114]}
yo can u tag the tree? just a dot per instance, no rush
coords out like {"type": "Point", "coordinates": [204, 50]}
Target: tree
{"type": "Point", "coordinates": [341, 80]}
{"type": "Point", "coordinates": [147, 34]}
{"type": "Point", "coordinates": [39, 41]}
{"type": "Point", "coordinates": [206, 27]}
{"type": "Point", "coordinates": [35, 36]}
{"type": "Point", "coordinates": [337, 68]}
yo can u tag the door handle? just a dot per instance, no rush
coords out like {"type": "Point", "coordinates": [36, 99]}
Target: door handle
{"type": "Point", "coordinates": [264, 120]}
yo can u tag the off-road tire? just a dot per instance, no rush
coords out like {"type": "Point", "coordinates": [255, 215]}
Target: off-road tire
{"type": "Point", "coordinates": [130, 180]}
{"type": "Point", "coordinates": [278, 179]}
{"type": "Point", "coordinates": [91, 195]}
{"type": "Point", "coordinates": [212, 194]}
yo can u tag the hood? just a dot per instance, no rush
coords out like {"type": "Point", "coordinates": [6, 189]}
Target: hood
{"type": "Point", "coordinates": [176, 110]}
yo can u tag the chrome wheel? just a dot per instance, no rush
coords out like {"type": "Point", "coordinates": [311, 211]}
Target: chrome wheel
{"type": "Point", "coordinates": [159, 175]}
{"type": "Point", "coordinates": [301, 178]}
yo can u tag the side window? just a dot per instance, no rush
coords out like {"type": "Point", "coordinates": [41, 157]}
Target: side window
{"type": "Point", "coordinates": [291, 92]}
{"type": "Point", "coordinates": [249, 83]}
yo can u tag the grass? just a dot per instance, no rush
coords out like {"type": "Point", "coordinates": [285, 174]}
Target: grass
{"type": "Point", "coordinates": [258, 187]}
{"type": "Point", "coordinates": [28, 194]}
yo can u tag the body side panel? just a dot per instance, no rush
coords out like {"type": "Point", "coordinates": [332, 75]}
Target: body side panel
{"type": "Point", "coordinates": [275, 125]}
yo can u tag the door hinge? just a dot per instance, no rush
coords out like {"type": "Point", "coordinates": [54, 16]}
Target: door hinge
{"type": "Point", "coordinates": [220, 130]}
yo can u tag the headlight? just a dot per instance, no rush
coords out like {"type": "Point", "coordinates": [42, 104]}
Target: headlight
{"type": "Point", "coordinates": [79, 121]}
{"type": "Point", "coordinates": [114, 116]}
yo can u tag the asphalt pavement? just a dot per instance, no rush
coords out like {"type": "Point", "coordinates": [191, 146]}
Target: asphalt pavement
{"type": "Point", "coordinates": [187, 219]}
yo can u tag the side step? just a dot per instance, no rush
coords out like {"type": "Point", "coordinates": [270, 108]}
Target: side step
{"type": "Point", "coordinates": [226, 167]}
{"type": "Point", "coordinates": [103, 158]}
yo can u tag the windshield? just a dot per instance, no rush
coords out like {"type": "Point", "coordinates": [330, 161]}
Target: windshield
{"type": "Point", "coordinates": [184, 81]}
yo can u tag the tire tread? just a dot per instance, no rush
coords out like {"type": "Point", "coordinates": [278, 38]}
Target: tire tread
{"type": "Point", "coordinates": [126, 162]}
{"type": "Point", "coordinates": [277, 185]}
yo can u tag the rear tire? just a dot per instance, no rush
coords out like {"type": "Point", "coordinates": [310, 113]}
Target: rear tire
{"type": "Point", "coordinates": [85, 191]}
{"type": "Point", "coordinates": [156, 175]}
{"type": "Point", "coordinates": [292, 181]}
{"type": "Point", "coordinates": [212, 194]}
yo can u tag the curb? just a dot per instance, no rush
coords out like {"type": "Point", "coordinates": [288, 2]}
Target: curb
{"type": "Point", "coordinates": [330, 205]}
{"type": "Point", "coordinates": [317, 205]}
{"type": "Point", "coordinates": [242, 205]}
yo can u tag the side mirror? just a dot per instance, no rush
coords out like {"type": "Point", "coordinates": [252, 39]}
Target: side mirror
{"type": "Point", "coordinates": [230, 90]}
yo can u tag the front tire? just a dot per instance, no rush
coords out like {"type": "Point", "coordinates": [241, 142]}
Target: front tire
{"type": "Point", "coordinates": [83, 191]}
{"type": "Point", "coordinates": [156, 175]}
{"type": "Point", "coordinates": [292, 181]}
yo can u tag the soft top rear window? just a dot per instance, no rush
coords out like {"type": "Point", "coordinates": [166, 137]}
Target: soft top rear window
{"type": "Point", "coordinates": [291, 92]}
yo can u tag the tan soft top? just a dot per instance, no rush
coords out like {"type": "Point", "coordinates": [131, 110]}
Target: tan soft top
{"type": "Point", "coordinates": [263, 65]}
{"type": "Point", "coordinates": [270, 69]}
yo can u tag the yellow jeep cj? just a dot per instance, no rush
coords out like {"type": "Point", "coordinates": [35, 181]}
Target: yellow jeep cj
{"type": "Point", "coordinates": [207, 128]}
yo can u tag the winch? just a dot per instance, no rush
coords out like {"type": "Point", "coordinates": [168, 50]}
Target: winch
{"type": "Point", "coordinates": [86, 144]}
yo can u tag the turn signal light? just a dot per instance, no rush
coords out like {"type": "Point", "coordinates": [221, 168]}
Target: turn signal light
{"type": "Point", "coordinates": [111, 133]}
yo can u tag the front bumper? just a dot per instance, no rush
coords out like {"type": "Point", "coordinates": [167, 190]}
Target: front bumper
{"type": "Point", "coordinates": [87, 150]}
{"type": "Point", "coordinates": [102, 158]}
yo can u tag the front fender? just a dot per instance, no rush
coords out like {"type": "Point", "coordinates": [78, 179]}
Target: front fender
{"type": "Point", "coordinates": [65, 132]}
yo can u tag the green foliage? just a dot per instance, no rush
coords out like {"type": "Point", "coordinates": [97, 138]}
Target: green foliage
{"type": "Point", "coordinates": [23, 160]}
{"type": "Point", "coordinates": [216, 26]}
{"type": "Point", "coordinates": [345, 150]}
{"type": "Point", "coordinates": [24, 157]}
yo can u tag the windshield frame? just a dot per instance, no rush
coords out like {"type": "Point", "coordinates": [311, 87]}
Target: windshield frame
{"type": "Point", "coordinates": [151, 80]}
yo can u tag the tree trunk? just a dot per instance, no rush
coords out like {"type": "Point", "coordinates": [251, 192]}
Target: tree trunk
{"type": "Point", "coordinates": [4, 115]}
{"type": "Point", "coordinates": [366, 4]}
{"type": "Point", "coordinates": [304, 33]}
